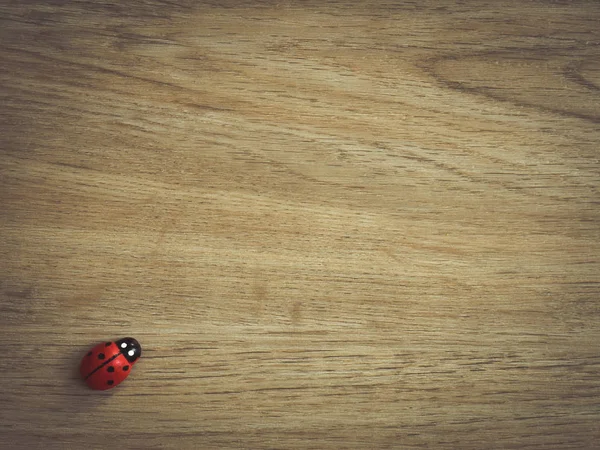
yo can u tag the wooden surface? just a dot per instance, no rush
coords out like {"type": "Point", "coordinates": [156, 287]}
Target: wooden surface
{"type": "Point", "coordinates": [330, 225]}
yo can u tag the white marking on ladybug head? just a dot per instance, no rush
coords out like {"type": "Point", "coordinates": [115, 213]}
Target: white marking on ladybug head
{"type": "Point", "coordinates": [131, 352]}
{"type": "Point", "coordinates": [123, 345]}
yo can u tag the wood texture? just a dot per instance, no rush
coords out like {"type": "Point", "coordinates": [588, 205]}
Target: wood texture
{"type": "Point", "coordinates": [330, 224]}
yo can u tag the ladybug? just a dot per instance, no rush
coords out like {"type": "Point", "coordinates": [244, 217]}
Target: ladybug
{"type": "Point", "coordinates": [108, 364]}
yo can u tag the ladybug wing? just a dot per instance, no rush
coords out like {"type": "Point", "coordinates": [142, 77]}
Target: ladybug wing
{"type": "Point", "coordinates": [90, 361]}
{"type": "Point", "coordinates": [98, 356]}
{"type": "Point", "coordinates": [111, 374]}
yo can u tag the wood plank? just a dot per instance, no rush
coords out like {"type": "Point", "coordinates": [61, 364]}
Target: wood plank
{"type": "Point", "coordinates": [329, 224]}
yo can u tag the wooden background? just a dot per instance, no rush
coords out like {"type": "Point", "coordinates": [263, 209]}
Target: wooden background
{"type": "Point", "coordinates": [330, 224]}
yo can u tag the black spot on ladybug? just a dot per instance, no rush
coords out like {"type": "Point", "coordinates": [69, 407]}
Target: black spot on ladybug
{"type": "Point", "coordinates": [100, 355]}
{"type": "Point", "coordinates": [111, 369]}
{"type": "Point", "coordinates": [107, 344]}
{"type": "Point", "coordinates": [89, 354]}
{"type": "Point", "coordinates": [125, 368]}
{"type": "Point", "coordinates": [110, 382]}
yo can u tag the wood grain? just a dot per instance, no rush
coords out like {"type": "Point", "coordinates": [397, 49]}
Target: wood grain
{"type": "Point", "coordinates": [330, 224]}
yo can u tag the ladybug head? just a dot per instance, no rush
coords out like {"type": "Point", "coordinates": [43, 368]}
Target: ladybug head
{"type": "Point", "coordinates": [130, 348]}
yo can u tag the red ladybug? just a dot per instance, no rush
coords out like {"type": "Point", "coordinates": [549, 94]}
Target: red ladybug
{"type": "Point", "coordinates": [108, 364]}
